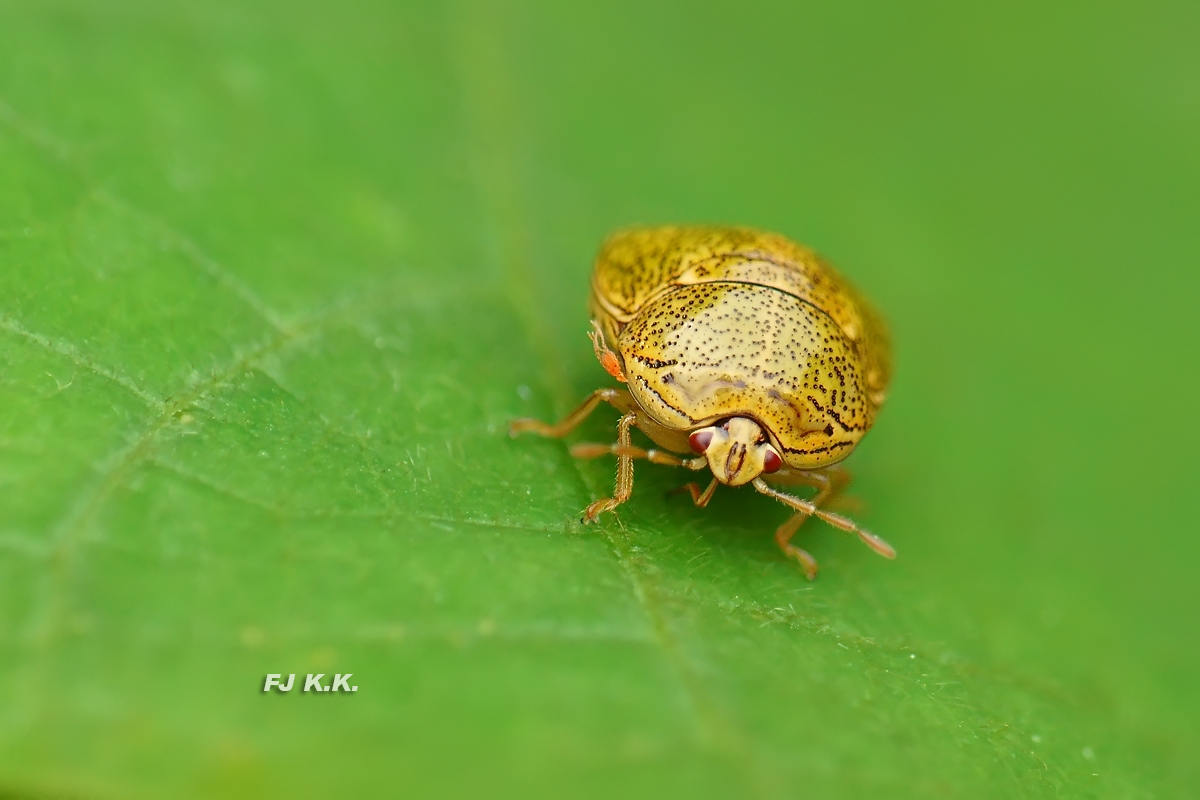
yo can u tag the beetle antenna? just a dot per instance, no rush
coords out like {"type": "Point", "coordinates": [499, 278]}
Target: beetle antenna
{"type": "Point", "coordinates": [836, 520]}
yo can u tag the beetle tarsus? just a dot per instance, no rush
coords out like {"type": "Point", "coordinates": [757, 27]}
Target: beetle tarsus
{"type": "Point", "coordinates": [597, 508]}
{"type": "Point", "coordinates": [878, 545]}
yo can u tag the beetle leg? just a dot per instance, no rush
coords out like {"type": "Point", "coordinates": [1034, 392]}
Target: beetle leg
{"type": "Point", "coordinates": [624, 486]}
{"type": "Point", "coordinates": [783, 536]}
{"type": "Point", "coordinates": [699, 498]}
{"type": "Point", "coordinates": [829, 482]}
{"type": "Point", "coordinates": [594, 450]}
{"type": "Point", "coordinates": [618, 398]}
{"type": "Point", "coordinates": [805, 509]}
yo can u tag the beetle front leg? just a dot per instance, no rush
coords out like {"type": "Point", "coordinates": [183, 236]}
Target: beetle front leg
{"type": "Point", "coordinates": [624, 486]}
{"type": "Point", "coordinates": [805, 509]}
{"type": "Point", "coordinates": [618, 398]}
{"type": "Point", "coordinates": [700, 498]}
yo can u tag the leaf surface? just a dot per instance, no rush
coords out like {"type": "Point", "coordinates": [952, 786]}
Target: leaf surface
{"type": "Point", "coordinates": [274, 277]}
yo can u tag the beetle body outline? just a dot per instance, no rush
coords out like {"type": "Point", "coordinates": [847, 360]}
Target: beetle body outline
{"type": "Point", "coordinates": [740, 345]}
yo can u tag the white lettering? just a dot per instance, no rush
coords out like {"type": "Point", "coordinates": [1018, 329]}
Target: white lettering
{"type": "Point", "coordinates": [340, 680]}
{"type": "Point", "coordinates": [314, 682]}
{"type": "Point", "coordinates": [273, 680]}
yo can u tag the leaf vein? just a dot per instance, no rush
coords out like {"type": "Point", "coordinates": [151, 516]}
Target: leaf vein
{"type": "Point", "coordinates": [59, 150]}
{"type": "Point", "coordinates": [71, 352]}
{"type": "Point", "coordinates": [384, 514]}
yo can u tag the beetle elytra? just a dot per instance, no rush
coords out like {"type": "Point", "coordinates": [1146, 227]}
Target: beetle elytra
{"type": "Point", "coordinates": [742, 347]}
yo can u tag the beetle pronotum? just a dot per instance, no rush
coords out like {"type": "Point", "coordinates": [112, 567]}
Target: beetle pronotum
{"type": "Point", "coordinates": [742, 347]}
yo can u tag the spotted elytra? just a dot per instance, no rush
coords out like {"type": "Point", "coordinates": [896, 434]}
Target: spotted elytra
{"type": "Point", "coordinates": [740, 346]}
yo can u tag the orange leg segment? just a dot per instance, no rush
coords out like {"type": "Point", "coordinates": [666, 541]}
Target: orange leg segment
{"type": "Point", "coordinates": [617, 398]}
{"type": "Point", "coordinates": [700, 498]}
{"type": "Point", "coordinates": [624, 487]}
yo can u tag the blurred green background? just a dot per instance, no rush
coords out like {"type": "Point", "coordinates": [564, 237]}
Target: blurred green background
{"type": "Point", "coordinates": [275, 275]}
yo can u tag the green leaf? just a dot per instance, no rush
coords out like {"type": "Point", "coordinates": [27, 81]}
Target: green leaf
{"type": "Point", "coordinates": [275, 276]}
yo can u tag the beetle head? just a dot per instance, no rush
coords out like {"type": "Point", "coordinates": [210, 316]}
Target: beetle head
{"type": "Point", "coordinates": [737, 450]}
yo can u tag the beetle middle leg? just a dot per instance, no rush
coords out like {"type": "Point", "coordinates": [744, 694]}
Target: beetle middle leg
{"type": "Point", "coordinates": [619, 399]}
{"type": "Point", "coordinates": [594, 450]}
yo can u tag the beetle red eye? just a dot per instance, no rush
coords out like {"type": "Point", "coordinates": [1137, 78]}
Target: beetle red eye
{"type": "Point", "coordinates": [700, 440]}
{"type": "Point", "coordinates": [771, 461]}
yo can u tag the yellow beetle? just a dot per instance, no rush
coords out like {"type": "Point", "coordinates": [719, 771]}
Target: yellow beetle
{"type": "Point", "coordinates": [739, 345]}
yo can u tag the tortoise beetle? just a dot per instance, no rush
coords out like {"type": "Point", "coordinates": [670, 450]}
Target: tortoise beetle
{"type": "Point", "coordinates": [743, 347]}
